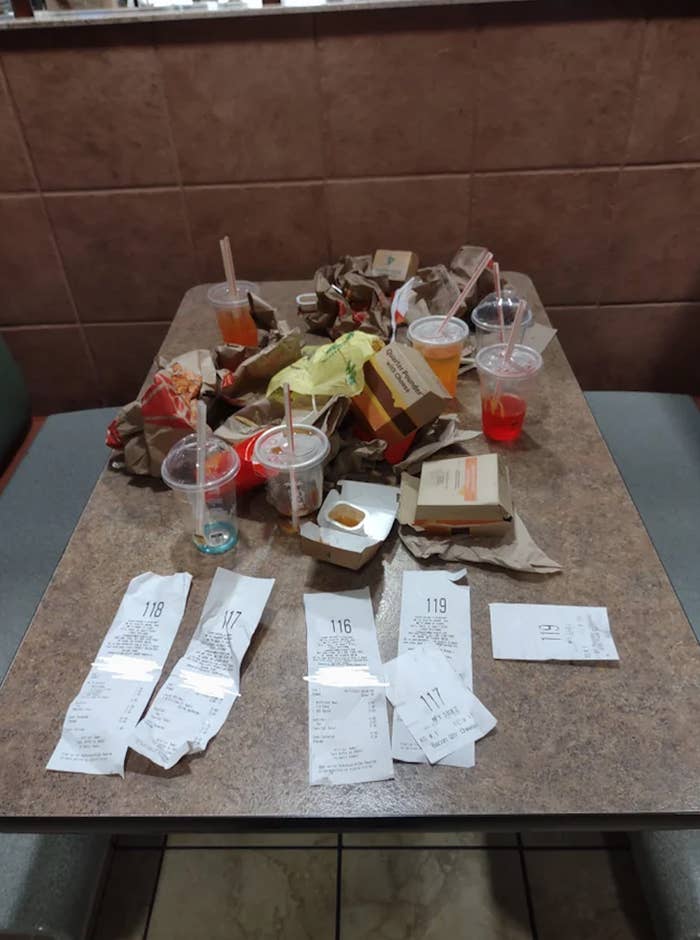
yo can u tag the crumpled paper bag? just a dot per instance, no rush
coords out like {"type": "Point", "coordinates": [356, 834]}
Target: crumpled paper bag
{"type": "Point", "coordinates": [444, 432]}
{"type": "Point", "coordinates": [350, 297]}
{"type": "Point", "coordinates": [146, 429]}
{"type": "Point", "coordinates": [264, 413]}
{"type": "Point", "coordinates": [351, 459]}
{"type": "Point", "coordinates": [335, 369]}
{"type": "Point", "coordinates": [516, 551]}
{"type": "Point", "coordinates": [254, 372]}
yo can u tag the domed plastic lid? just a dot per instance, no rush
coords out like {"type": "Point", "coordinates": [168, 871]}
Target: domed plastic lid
{"type": "Point", "coordinates": [221, 296]}
{"type": "Point", "coordinates": [427, 331]}
{"type": "Point", "coordinates": [485, 314]}
{"type": "Point", "coordinates": [311, 447]}
{"type": "Point", "coordinates": [523, 361]}
{"type": "Point", "coordinates": [179, 469]}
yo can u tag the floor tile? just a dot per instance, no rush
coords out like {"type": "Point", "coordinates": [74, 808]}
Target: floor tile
{"type": "Point", "coordinates": [576, 839]}
{"type": "Point", "coordinates": [225, 894]}
{"type": "Point", "coordinates": [224, 839]}
{"type": "Point", "coordinates": [131, 884]}
{"type": "Point", "coordinates": [419, 839]}
{"type": "Point", "coordinates": [397, 895]}
{"type": "Point", "coordinates": [587, 896]}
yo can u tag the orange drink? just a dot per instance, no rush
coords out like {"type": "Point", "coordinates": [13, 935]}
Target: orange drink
{"type": "Point", "coordinates": [506, 386]}
{"type": "Point", "coordinates": [233, 313]}
{"type": "Point", "coordinates": [441, 346]}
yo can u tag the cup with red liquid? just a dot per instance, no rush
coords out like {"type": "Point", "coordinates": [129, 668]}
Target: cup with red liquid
{"type": "Point", "coordinates": [506, 386]}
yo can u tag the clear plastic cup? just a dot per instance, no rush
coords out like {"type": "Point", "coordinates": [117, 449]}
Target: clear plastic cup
{"type": "Point", "coordinates": [233, 312]}
{"type": "Point", "coordinates": [486, 322]}
{"type": "Point", "coordinates": [441, 349]}
{"type": "Point", "coordinates": [211, 514]}
{"type": "Point", "coordinates": [505, 388]}
{"type": "Point", "coordinates": [311, 447]}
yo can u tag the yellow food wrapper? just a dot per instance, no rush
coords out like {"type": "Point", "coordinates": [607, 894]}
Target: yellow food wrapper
{"type": "Point", "coordinates": [332, 369]}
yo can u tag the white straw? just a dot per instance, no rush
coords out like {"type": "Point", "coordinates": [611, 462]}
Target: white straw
{"type": "Point", "coordinates": [466, 290]}
{"type": "Point", "coordinates": [294, 495]}
{"type": "Point", "coordinates": [517, 320]}
{"type": "Point", "coordinates": [495, 267]}
{"type": "Point", "coordinates": [201, 467]}
{"type": "Point", "coordinates": [230, 271]}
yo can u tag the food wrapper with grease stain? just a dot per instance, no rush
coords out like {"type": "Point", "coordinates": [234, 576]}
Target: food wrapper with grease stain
{"type": "Point", "coordinates": [264, 413]}
{"type": "Point", "coordinates": [335, 369]}
{"type": "Point", "coordinates": [350, 297]}
{"type": "Point", "coordinates": [146, 429]}
{"type": "Point", "coordinates": [252, 373]}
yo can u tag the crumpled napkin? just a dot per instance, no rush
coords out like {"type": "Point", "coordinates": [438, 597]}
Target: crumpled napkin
{"type": "Point", "coordinates": [516, 551]}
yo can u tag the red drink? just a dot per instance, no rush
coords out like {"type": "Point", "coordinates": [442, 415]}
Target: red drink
{"type": "Point", "coordinates": [502, 416]}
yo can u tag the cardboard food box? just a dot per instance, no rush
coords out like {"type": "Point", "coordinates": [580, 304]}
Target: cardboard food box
{"type": "Point", "coordinates": [352, 524]}
{"type": "Point", "coordinates": [401, 393]}
{"type": "Point", "coordinates": [397, 266]}
{"type": "Point", "coordinates": [459, 493]}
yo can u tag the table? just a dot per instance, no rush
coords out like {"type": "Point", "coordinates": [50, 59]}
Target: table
{"type": "Point", "coordinates": [575, 746]}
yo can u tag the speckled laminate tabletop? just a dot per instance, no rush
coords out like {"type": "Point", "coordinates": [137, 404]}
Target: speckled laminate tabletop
{"type": "Point", "coordinates": [575, 744]}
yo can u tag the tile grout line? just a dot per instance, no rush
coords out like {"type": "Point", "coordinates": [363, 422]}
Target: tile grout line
{"type": "Point", "coordinates": [338, 885]}
{"type": "Point", "coordinates": [526, 884]}
{"type": "Point", "coordinates": [152, 902]}
{"type": "Point", "coordinates": [572, 169]}
{"type": "Point", "coordinates": [87, 349]}
{"type": "Point", "coordinates": [326, 154]}
{"type": "Point", "coordinates": [173, 149]}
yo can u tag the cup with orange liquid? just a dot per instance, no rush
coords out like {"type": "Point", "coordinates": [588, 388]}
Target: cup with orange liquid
{"type": "Point", "coordinates": [505, 388]}
{"type": "Point", "coordinates": [441, 346]}
{"type": "Point", "coordinates": [233, 312]}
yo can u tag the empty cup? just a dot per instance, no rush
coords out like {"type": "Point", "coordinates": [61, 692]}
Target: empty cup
{"type": "Point", "coordinates": [279, 465]}
{"type": "Point", "coordinates": [210, 509]}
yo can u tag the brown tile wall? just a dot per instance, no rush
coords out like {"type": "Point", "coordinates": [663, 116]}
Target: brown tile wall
{"type": "Point", "coordinates": [567, 142]}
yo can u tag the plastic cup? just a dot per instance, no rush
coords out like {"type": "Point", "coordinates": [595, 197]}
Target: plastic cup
{"type": "Point", "coordinates": [233, 312]}
{"type": "Point", "coordinates": [441, 349]}
{"type": "Point", "coordinates": [220, 524]}
{"type": "Point", "coordinates": [505, 388]}
{"type": "Point", "coordinates": [272, 453]}
{"type": "Point", "coordinates": [486, 322]}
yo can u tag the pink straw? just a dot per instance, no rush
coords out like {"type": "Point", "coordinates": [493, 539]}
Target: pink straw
{"type": "Point", "coordinates": [478, 271]}
{"type": "Point", "coordinates": [495, 268]}
{"type": "Point", "coordinates": [229, 270]}
{"type": "Point", "coordinates": [293, 493]}
{"type": "Point", "coordinates": [517, 320]}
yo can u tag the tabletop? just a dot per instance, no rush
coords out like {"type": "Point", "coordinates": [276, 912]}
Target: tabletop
{"type": "Point", "coordinates": [574, 745]}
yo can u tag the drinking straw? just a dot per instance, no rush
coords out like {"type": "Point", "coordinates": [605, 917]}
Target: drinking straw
{"type": "Point", "coordinates": [294, 495]}
{"type": "Point", "coordinates": [517, 320]}
{"type": "Point", "coordinates": [227, 258]}
{"type": "Point", "coordinates": [201, 467]}
{"type": "Point", "coordinates": [478, 270]}
{"type": "Point", "coordinates": [496, 269]}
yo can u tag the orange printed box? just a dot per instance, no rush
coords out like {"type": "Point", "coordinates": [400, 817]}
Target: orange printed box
{"type": "Point", "coordinates": [401, 393]}
{"type": "Point", "coordinates": [460, 492]}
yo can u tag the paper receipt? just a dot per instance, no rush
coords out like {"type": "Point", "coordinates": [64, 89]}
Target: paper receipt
{"type": "Point", "coordinates": [348, 723]}
{"type": "Point", "coordinates": [434, 609]}
{"type": "Point", "coordinates": [197, 696]}
{"type": "Point", "coordinates": [102, 716]}
{"type": "Point", "coordinates": [550, 631]}
{"type": "Point", "coordinates": [441, 714]}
